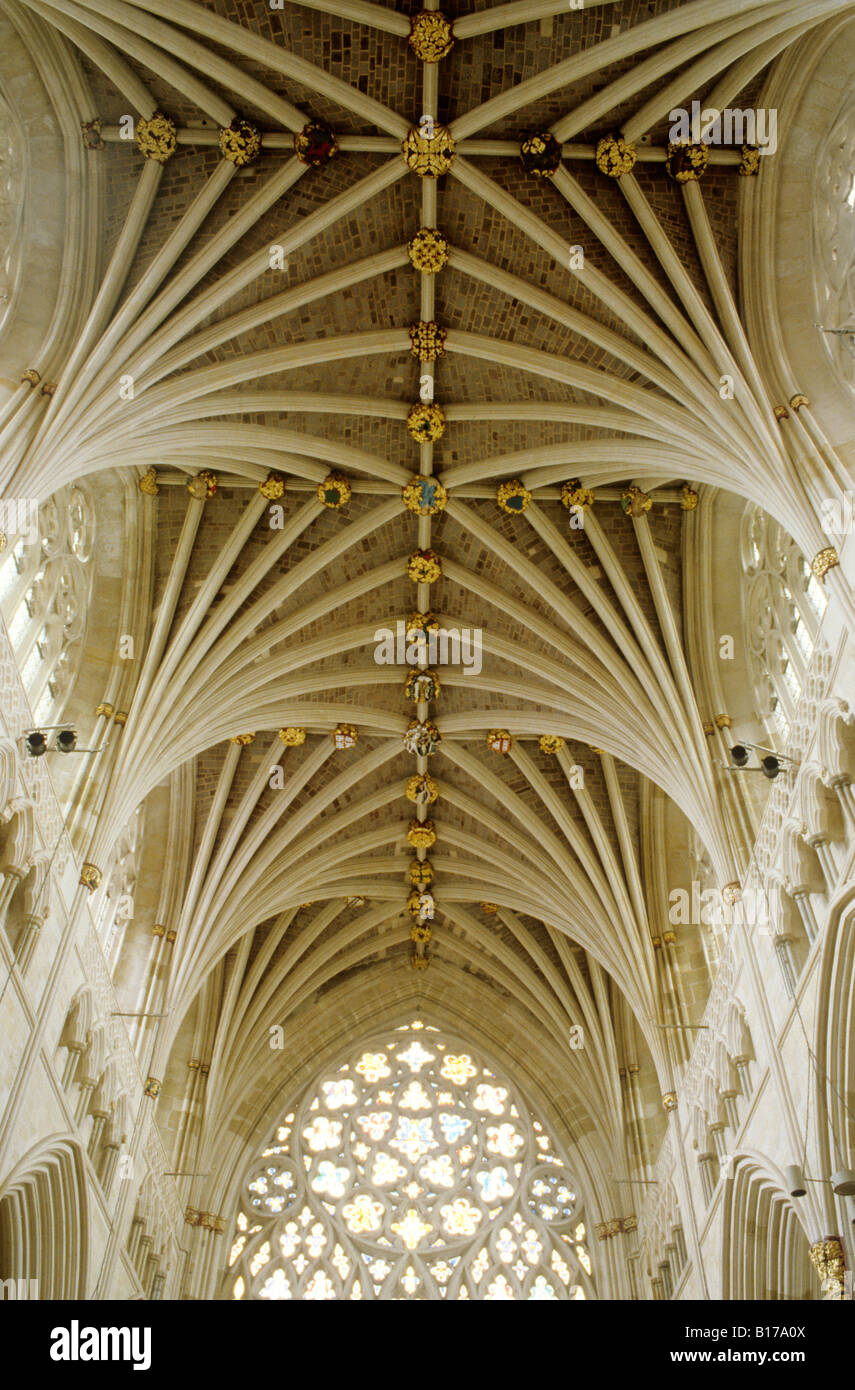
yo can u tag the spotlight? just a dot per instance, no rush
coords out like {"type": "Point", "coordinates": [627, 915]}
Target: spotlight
{"type": "Point", "coordinates": [843, 1183]}
{"type": "Point", "coordinates": [66, 741]}
{"type": "Point", "coordinates": [794, 1180]}
{"type": "Point", "coordinates": [36, 744]}
{"type": "Point", "coordinates": [770, 765]}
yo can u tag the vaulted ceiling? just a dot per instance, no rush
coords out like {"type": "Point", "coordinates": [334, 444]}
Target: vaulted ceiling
{"type": "Point", "coordinates": [249, 323]}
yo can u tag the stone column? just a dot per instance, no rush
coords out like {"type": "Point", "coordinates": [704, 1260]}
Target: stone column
{"type": "Point", "coordinates": [830, 871]}
{"type": "Point", "coordinates": [843, 787]}
{"type": "Point", "coordinates": [801, 898]}
{"type": "Point", "coordinates": [707, 1163]}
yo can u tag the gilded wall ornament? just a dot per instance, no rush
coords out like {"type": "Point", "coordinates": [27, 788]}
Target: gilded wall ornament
{"type": "Point", "coordinates": [685, 162]}
{"type": "Point", "coordinates": [827, 1258]}
{"type": "Point", "coordinates": [688, 498]}
{"type": "Point", "coordinates": [749, 164]}
{"type": "Point", "coordinates": [669, 1100]}
{"type": "Point", "coordinates": [421, 873]}
{"type": "Point", "coordinates": [157, 138]}
{"type": "Point", "coordinates": [334, 491]}
{"type": "Point", "coordinates": [426, 422]}
{"type": "Point", "coordinates": [273, 486]}
{"type": "Point", "coordinates": [425, 496]}
{"type": "Point", "coordinates": [92, 137]}
{"type": "Point", "coordinates": [90, 877]}
{"type": "Point", "coordinates": [615, 156]}
{"type": "Point", "coordinates": [499, 741]}
{"type": "Point", "coordinates": [823, 561]}
{"type": "Point", "coordinates": [512, 497]}
{"type": "Point", "coordinates": [315, 144]}
{"type": "Point", "coordinates": [798, 400]}
{"type": "Point", "coordinates": [635, 502]}
{"type": "Point", "coordinates": [204, 485]}
{"type": "Point", "coordinates": [421, 789]}
{"type": "Point", "coordinates": [489, 908]}
{"type": "Point", "coordinates": [575, 497]}
{"type": "Point", "coordinates": [428, 158]}
{"type": "Point", "coordinates": [732, 893]}
{"type": "Point", "coordinates": [781, 413]}
{"type": "Point", "coordinates": [428, 250]}
{"type": "Point", "coordinates": [422, 738]}
{"type": "Point", "coordinates": [422, 686]}
{"type": "Point", "coordinates": [243, 740]}
{"type": "Point", "coordinates": [420, 624]}
{"type": "Point", "coordinates": [427, 340]}
{"type": "Point", "coordinates": [344, 735]}
{"type": "Point", "coordinates": [120, 717]}
{"type": "Point", "coordinates": [104, 710]}
{"type": "Point", "coordinates": [550, 743]}
{"type": "Point", "coordinates": [540, 154]}
{"type": "Point", "coordinates": [152, 1088]}
{"type": "Point", "coordinates": [422, 905]}
{"type": "Point", "coordinates": [424, 567]}
{"type": "Point", "coordinates": [292, 737]}
{"type": "Point", "coordinates": [431, 36]}
{"type": "Point", "coordinates": [240, 142]}
{"type": "Point", "coordinates": [31, 377]}
{"type": "Point", "coordinates": [421, 834]}
{"type": "Point", "coordinates": [420, 962]}
{"type": "Point", "coordinates": [148, 484]}
{"type": "Point", "coordinates": [421, 933]}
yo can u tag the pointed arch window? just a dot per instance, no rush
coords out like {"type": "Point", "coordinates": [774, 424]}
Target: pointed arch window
{"type": "Point", "coordinates": [783, 607]}
{"type": "Point", "coordinates": [45, 590]}
{"type": "Point", "coordinates": [410, 1172]}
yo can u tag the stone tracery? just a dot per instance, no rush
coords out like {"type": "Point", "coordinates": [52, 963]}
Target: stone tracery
{"type": "Point", "coordinates": [553, 509]}
{"type": "Point", "coordinates": [410, 1172]}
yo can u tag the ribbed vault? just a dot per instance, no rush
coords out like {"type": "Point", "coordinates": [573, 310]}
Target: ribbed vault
{"type": "Point", "coordinates": [247, 335]}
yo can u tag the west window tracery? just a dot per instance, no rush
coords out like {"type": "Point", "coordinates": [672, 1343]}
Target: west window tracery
{"type": "Point", "coordinates": [783, 605]}
{"type": "Point", "coordinates": [412, 1171]}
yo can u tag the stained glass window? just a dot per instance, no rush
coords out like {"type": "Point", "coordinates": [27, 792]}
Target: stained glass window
{"type": "Point", "coordinates": [411, 1171]}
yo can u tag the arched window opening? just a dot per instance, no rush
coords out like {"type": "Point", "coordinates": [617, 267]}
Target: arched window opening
{"type": "Point", "coordinates": [783, 605]}
{"type": "Point", "coordinates": [45, 589]}
{"type": "Point", "coordinates": [412, 1171]}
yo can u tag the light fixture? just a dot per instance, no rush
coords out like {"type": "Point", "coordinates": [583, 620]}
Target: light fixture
{"type": "Point", "coordinates": [794, 1179]}
{"type": "Point", "coordinates": [843, 1183]}
{"type": "Point", "coordinates": [770, 765]}
{"type": "Point", "coordinates": [65, 741]}
{"type": "Point", "coordinates": [847, 334]}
